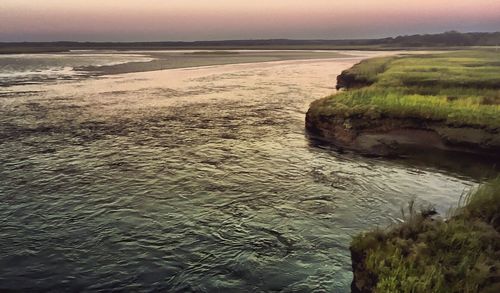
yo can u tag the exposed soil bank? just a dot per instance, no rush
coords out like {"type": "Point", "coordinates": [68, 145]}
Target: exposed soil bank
{"type": "Point", "coordinates": [391, 136]}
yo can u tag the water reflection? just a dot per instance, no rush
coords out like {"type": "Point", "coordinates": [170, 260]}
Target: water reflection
{"type": "Point", "coordinates": [469, 166]}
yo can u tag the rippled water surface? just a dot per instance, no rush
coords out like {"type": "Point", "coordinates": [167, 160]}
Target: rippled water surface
{"type": "Point", "coordinates": [198, 179]}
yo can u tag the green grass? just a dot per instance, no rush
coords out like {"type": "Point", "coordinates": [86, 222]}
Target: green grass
{"type": "Point", "coordinates": [458, 88]}
{"type": "Point", "coordinates": [431, 255]}
{"type": "Point", "coordinates": [424, 254]}
{"type": "Point", "coordinates": [372, 104]}
{"type": "Point", "coordinates": [367, 71]}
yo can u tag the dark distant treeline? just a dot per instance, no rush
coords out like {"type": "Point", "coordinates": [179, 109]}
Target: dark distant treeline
{"type": "Point", "coordinates": [447, 39]}
{"type": "Point", "coordinates": [451, 38]}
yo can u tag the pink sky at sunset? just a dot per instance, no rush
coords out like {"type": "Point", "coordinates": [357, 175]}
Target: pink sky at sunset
{"type": "Point", "coordinates": [155, 20]}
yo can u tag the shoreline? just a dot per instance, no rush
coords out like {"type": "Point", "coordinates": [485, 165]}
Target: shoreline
{"type": "Point", "coordinates": [166, 60]}
{"type": "Point", "coordinates": [175, 60]}
{"type": "Point", "coordinates": [397, 137]}
{"type": "Point", "coordinates": [422, 253]}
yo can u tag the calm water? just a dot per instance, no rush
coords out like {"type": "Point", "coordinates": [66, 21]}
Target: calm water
{"type": "Point", "coordinates": [196, 179]}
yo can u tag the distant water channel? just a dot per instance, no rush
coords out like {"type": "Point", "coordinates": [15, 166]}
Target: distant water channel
{"type": "Point", "coordinates": [189, 180]}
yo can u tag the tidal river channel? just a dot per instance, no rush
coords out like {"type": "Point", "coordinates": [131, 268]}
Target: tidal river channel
{"type": "Point", "coordinates": [197, 179]}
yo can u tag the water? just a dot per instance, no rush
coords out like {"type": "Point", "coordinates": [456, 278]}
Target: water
{"type": "Point", "coordinates": [36, 68]}
{"type": "Point", "coordinates": [198, 179]}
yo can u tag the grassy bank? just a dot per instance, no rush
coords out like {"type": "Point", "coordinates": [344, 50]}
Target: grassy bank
{"type": "Point", "coordinates": [447, 101]}
{"type": "Point", "coordinates": [457, 88]}
{"type": "Point", "coordinates": [403, 105]}
{"type": "Point", "coordinates": [428, 254]}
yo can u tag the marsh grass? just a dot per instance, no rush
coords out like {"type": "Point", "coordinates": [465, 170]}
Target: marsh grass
{"type": "Point", "coordinates": [429, 254]}
{"type": "Point", "coordinates": [458, 88]}
{"type": "Point", "coordinates": [367, 71]}
{"type": "Point", "coordinates": [472, 110]}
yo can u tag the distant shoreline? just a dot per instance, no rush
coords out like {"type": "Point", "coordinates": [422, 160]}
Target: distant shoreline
{"type": "Point", "coordinates": [36, 49]}
{"type": "Point", "coordinates": [445, 41]}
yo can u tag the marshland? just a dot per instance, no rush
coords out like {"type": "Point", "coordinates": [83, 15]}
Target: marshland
{"type": "Point", "coordinates": [249, 146]}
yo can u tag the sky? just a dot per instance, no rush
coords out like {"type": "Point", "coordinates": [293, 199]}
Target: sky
{"type": "Point", "coordinates": [188, 20]}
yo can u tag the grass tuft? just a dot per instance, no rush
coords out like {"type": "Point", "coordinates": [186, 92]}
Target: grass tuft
{"type": "Point", "coordinates": [427, 254]}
